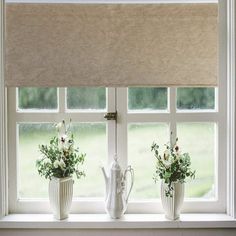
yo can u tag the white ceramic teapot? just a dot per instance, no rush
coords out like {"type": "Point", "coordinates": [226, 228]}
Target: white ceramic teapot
{"type": "Point", "coordinates": [116, 197]}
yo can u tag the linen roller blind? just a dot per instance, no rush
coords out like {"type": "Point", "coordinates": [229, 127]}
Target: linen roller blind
{"type": "Point", "coordinates": [111, 44]}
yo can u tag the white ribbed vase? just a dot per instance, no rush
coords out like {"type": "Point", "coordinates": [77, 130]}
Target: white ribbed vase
{"type": "Point", "coordinates": [172, 205]}
{"type": "Point", "coordinates": [60, 196]}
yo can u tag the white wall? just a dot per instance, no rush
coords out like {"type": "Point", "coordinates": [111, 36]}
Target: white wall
{"type": "Point", "coordinates": [120, 232]}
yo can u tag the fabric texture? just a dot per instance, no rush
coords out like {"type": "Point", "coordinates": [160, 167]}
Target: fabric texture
{"type": "Point", "coordinates": [114, 45]}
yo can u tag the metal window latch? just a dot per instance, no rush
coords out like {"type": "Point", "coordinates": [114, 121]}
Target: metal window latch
{"type": "Point", "coordinates": [111, 116]}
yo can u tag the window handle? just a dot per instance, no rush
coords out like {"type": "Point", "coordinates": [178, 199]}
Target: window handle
{"type": "Point", "coordinates": [111, 116]}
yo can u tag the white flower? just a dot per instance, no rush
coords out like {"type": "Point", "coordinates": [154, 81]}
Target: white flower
{"type": "Point", "coordinates": [61, 128]}
{"type": "Point", "coordinates": [178, 154]}
{"type": "Point", "coordinates": [56, 163]}
{"type": "Point", "coordinates": [62, 164]}
{"type": "Point", "coordinates": [58, 126]}
{"type": "Point", "coordinates": [63, 138]}
{"type": "Point", "coordinates": [167, 163]}
{"type": "Point", "coordinates": [46, 161]}
{"type": "Point", "coordinates": [167, 158]}
{"type": "Point", "coordinates": [166, 154]}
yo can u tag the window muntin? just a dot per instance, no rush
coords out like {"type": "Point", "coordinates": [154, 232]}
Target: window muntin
{"type": "Point", "coordinates": [171, 118]}
{"type": "Point", "coordinates": [190, 125]}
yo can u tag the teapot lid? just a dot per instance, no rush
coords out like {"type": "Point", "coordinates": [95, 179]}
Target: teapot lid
{"type": "Point", "coordinates": [115, 164]}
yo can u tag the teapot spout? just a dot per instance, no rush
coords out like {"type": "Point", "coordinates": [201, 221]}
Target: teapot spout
{"type": "Point", "coordinates": [106, 179]}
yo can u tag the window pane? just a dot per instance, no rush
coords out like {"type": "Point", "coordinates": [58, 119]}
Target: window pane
{"type": "Point", "coordinates": [147, 99]}
{"type": "Point", "coordinates": [195, 98]}
{"type": "Point", "coordinates": [198, 139]}
{"type": "Point", "coordinates": [86, 98]}
{"type": "Point", "coordinates": [31, 185]}
{"type": "Point", "coordinates": [37, 98]}
{"type": "Point", "coordinates": [91, 139]}
{"type": "Point", "coordinates": [140, 157]}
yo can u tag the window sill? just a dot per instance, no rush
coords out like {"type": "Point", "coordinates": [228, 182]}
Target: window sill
{"type": "Point", "coordinates": [129, 221]}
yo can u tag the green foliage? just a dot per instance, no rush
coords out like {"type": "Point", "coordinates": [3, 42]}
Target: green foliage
{"type": "Point", "coordinates": [59, 158]}
{"type": "Point", "coordinates": [172, 166]}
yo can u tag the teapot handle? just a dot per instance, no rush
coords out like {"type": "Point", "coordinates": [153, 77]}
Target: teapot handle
{"type": "Point", "coordinates": [131, 170]}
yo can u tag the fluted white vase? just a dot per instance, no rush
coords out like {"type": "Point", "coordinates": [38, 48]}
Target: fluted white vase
{"type": "Point", "coordinates": [172, 205]}
{"type": "Point", "coordinates": [60, 196]}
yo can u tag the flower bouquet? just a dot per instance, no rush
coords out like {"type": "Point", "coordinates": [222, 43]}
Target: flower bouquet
{"type": "Point", "coordinates": [172, 167]}
{"type": "Point", "coordinates": [60, 160]}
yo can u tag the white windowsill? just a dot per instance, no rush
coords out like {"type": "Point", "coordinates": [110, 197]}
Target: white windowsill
{"type": "Point", "coordinates": [129, 221]}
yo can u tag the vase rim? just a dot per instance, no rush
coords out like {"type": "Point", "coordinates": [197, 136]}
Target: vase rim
{"type": "Point", "coordinates": [176, 182]}
{"type": "Point", "coordinates": [61, 179]}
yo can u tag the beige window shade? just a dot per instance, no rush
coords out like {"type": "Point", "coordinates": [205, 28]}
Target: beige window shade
{"type": "Point", "coordinates": [111, 44]}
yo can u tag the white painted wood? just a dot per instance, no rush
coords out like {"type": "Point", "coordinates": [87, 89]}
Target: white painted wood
{"type": "Point", "coordinates": [111, 125]}
{"type": "Point", "coordinates": [96, 205]}
{"type": "Point", "coordinates": [56, 117]}
{"type": "Point", "coordinates": [128, 221]}
{"type": "Point", "coordinates": [231, 164]}
{"type": "Point", "coordinates": [221, 124]}
{"type": "Point", "coordinates": [183, 117]}
{"type": "Point", "coordinates": [189, 206]}
{"type": "Point", "coordinates": [122, 139]}
{"type": "Point", "coordinates": [117, 232]}
{"type": "Point", "coordinates": [42, 116]}
{"type": "Point", "coordinates": [12, 152]}
{"type": "Point", "coordinates": [3, 122]}
{"type": "Point", "coordinates": [173, 121]}
{"type": "Point", "coordinates": [61, 100]}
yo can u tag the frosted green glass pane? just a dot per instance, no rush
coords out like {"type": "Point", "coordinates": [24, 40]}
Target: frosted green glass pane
{"type": "Point", "coordinates": [37, 98]}
{"type": "Point", "coordinates": [86, 98]}
{"type": "Point", "coordinates": [89, 137]}
{"type": "Point", "coordinates": [140, 157]}
{"type": "Point", "coordinates": [198, 139]}
{"type": "Point", "coordinates": [147, 99]}
{"type": "Point", "coordinates": [195, 98]}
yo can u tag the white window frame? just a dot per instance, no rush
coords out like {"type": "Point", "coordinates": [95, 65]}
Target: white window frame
{"type": "Point", "coordinates": [171, 117]}
{"type": "Point", "coordinates": [16, 116]}
{"type": "Point", "coordinates": [227, 70]}
{"type": "Point", "coordinates": [84, 205]}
